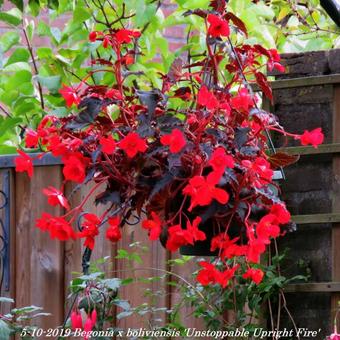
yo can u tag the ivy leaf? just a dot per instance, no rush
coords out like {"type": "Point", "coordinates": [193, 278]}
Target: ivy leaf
{"type": "Point", "coordinates": [91, 107]}
{"type": "Point", "coordinates": [281, 159]}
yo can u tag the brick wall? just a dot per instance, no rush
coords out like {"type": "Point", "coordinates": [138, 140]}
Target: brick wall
{"type": "Point", "coordinates": [175, 34]}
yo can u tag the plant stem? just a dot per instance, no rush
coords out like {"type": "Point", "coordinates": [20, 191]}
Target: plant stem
{"type": "Point", "coordinates": [30, 49]}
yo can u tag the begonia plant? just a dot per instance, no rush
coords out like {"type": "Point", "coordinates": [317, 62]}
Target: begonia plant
{"type": "Point", "coordinates": [193, 159]}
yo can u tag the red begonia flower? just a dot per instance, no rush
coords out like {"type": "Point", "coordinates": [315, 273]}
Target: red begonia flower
{"type": "Point", "coordinates": [228, 247]}
{"type": "Point", "coordinates": [223, 278]}
{"type": "Point", "coordinates": [221, 241]}
{"type": "Point", "coordinates": [154, 225]}
{"type": "Point", "coordinates": [76, 320]}
{"type": "Point", "coordinates": [75, 167]}
{"type": "Point", "coordinates": [56, 197]}
{"type": "Point", "coordinates": [108, 145]}
{"type": "Point", "coordinates": [113, 94]}
{"type": "Point", "coordinates": [44, 223]}
{"type": "Point", "coordinates": [31, 138]}
{"type": "Point", "coordinates": [259, 171]}
{"type": "Point", "coordinates": [274, 61]}
{"type": "Point", "coordinates": [281, 213]}
{"type": "Point", "coordinates": [106, 42]}
{"type": "Point", "coordinates": [267, 228]}
{"type": "Point", "coordinates": [175, 140]}
{"type": "Point", "coordinates": [23, 163]}
{"type": "Point", "coordinates": [218, 27]}
{"type": "Point", "coordinates": [113, 232]}
{"type": "Point", "coordinates": [197, 234]}
{"type": "Point", "coordinates": [256, 275]}
{"type": "Point", "coordinates": [132, 144]}
{"type": "Point", "coordinates": [220, 160]}
{"type": "Point", "coordinates": [314, 137]}
{"type": "Point", "coordinates": [207, 99]}
{"type": "Point", "coordinates": [58, 227]}
{"type": "Point", "coordinates": [90, 230]}
{"type": "Point", "coordinates": [203, 190]}
{"type": "Point", "coordinates": [210, 275]}
{"type": "Point", "coordinates": [93, 36]}
{"type": "Point", "coordinates": [256, 247]}
{"type": "Point", "coordinates": [178, 237]}
{"type": "Point", "coordinates": [125, 36]}
{"type": "Point", "coordinates": [206, 275]}
{"type": "Point", "coordinates": [70, 95]}
{"type": "Point", "coordinates": [243, 101]}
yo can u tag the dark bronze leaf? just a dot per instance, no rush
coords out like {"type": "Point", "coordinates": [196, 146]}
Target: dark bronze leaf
{"type": "Point", "coordinates": [281, 159]}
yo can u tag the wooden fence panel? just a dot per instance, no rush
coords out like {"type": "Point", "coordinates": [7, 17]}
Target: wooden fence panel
{"type": "Point", "coordinates": [306, 97]}
{"type": "Point", "coordinates": [39, 260]}
{"type": "Point", "coordinates": [336, 203]}
{"type": "Point", "coordinates": [74, 249]}
{"type": "Point", "coordinates": [137, 293]}
{"type": "Point", "coordinates": [7, 200]}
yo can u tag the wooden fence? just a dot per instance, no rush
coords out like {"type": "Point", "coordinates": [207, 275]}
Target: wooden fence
{"type": "Point", "coordinates": [306, 97]}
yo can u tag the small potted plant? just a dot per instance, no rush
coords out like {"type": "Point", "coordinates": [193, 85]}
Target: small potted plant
{"type": "Point", "coordinates": [192, 159]}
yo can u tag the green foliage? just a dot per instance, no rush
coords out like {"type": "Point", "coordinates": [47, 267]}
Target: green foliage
{"type": "Point", "coordinates": [30, 90]}
{"type": "Point", "coordinates": [246, 300]}
{"type": "Point", "coordinates": [99, 291]}
{"type": "Point", "coordinates": [20, 321]}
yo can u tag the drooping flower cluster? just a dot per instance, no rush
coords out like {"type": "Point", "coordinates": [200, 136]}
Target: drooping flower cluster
{"type": "Point", "coordinates": [202, 171]}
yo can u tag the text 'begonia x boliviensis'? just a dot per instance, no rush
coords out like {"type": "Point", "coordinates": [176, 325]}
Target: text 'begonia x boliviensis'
{"type": "Point", "coordinates": [199, 170]}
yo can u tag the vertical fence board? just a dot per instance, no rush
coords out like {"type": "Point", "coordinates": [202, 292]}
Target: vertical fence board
{"type": "Point", "coordinates": [10, 204]}
{"type": "Point", "coordinates": [186, 312]}
{"type": "Point", "coordinates": [155, 258]}
{"type": "Point", "coordinates": [74, 249]}
{"type": "Point", "coordinates": [39, 274]}
{"type": "Point", "coordinates": [336, 202]}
